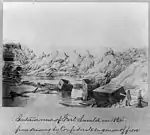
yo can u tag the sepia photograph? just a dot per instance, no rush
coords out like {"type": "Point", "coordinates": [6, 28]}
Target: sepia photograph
{"type": "Point", "coordinates": [77, 54]}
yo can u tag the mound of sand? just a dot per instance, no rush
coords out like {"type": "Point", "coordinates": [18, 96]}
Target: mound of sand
{"type": "Point", "coordinates": [134, 78]}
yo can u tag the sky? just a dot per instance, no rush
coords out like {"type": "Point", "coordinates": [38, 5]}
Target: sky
{"type": "Point", "coordinates": [46, 27]}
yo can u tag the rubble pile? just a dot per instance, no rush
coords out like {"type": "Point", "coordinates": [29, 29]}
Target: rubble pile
{"type": "Point", "coordinates": [18, 52]}
{"type": "Point", "coordinates": [57, 64]}
{"type": "Point", "coordinates": [116, 62]}
{"type": "Point", "coordinates": [15, 58]}
{"type": "Point", "coordinates": [127, 70]}
{"type": "Point", "coordinates": [53, 64]}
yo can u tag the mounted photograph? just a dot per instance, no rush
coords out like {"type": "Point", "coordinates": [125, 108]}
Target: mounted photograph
{"type": "Point", "coordinates": [77, 54]}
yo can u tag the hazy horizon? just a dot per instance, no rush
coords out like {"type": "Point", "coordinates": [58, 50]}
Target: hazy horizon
{"type": "Point", "coordinates": [46, 27]}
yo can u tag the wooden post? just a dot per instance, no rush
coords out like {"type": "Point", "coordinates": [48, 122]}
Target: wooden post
{"type": "Point", "coordinates": [129, 98]}
{"type": "Point", "coordinates": [85, 90]}
{"type": "Point", "coordinates": [140, 99]}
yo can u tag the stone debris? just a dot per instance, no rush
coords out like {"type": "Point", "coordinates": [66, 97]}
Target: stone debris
{"type": "Point", "coordinates": [65, 85]}
{"type": "Point", "coordinates": [117, 77]}
{"type": "Point", "coordinates": [88, 86]}
{"type": "Point", "coordinates": [106, 98]}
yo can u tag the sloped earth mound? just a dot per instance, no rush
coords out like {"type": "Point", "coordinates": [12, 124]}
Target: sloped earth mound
{"type": "Point", "coordinates": [134, 78]}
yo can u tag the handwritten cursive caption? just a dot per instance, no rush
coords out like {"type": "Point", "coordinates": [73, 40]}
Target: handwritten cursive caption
{"type": "Point", "coordinates": [72, 124]}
